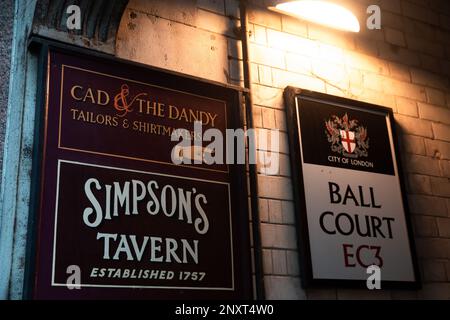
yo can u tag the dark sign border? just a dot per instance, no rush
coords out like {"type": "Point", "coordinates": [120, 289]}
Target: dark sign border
{"type": "Point", "coordinates": [290, 96]}
{"type": "Point", "coordinates": [40, 48]}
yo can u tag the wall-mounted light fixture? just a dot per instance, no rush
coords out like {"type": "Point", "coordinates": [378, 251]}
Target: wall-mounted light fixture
{"type": "Point", "coordinates": [321, 12]}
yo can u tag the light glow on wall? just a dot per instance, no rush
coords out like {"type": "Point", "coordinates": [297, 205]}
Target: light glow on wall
{"type": "Point", "coordinates": [322, 12]}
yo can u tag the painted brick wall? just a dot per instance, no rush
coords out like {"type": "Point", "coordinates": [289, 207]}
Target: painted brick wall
{"type": "Point", "coordinates": [404, 66]}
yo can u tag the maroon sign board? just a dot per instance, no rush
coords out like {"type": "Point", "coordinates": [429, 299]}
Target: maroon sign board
{"type": "Point", "coordinates": [113, 205]}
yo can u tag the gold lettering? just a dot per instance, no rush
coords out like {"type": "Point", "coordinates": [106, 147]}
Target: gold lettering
{"type": "Point", "coordinates": [161, 110]}
{"type": "Point", "coordinates": [141, 102]}
{"type": "Point", "coordinates": [72, 92]}
{"type": "Point", "coordinates": [213, 118]}
{"type": "Point", "coordinates": [183, 115]}
{"type": "Point", "coordinates": [172, 110]}
{"type": "Point", "coordinates": [89, 95]}
{"type": "Point", "coordinates": [100, 94]}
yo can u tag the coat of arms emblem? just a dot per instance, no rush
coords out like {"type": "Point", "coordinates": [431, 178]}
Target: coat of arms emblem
{"type": "Point", "coordinates": [347, 137]}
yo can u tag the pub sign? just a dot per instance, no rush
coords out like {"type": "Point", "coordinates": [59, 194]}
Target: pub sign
{"type": "Point", "coordinates": [112, 204]}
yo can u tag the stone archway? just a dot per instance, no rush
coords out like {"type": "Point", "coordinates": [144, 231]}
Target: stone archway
{"type": "Point", "coordinates": [100, 21]}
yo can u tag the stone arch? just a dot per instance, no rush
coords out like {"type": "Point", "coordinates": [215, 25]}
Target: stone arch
{"type": "Point", "coordinates": [100, 21]}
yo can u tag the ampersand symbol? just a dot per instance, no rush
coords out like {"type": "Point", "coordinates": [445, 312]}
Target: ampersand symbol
{"type": "Point", "coordinates": [120, 100]}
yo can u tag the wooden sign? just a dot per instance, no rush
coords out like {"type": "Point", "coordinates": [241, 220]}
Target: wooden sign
{"type": "Point", "coordinates": [117, 218]}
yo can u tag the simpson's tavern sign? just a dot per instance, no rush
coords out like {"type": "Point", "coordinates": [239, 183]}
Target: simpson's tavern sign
{"type": "Point", "coordinates": [112, 203]}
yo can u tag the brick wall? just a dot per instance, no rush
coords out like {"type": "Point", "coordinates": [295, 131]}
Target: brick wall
{"type": "Point", "coordinates": [404, 66]}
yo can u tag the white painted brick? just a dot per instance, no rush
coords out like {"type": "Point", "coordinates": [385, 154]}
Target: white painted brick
{"type": "Point", "coordinates": [438, 149]}
{"type": "Point", "coordinates": [401, 55]}
{"type": "Point", "coordinates": [287, 208]}
{"type": "Point", "coordinates": [282, 79]}
{"type": "Point", "coordinates": [429, 79]}
{"type": "Point", "coordinates": [407, 107]}
{"type": "Point", "coordinates": [394, 36]}
{"type": "Point", "coordinates": [331, 72]}
{"type": "Point", "coordinates": [435, 96]}
{"type": "Point", "coordinates": [403, 89]}
{"type": "Point", "coordinates": [430, 63]}
{"type": "Point", "coordinates": [265, 75]}
{"type": "Point", "coordinates": [430, 112]}
{"type": "Point", "coordinates": [263, 210]}
{"type": "Point", "coordinates": [422, 30]}
{"type": "Point", "coordinates": [291, 43]}
{"type": "Point", "coordinates": [264, 17]}
{"type": "Point", "coordinates": [414, 126]}
{"type": "Point", "coordinates": [419, 184]}
{"type": "Point", "coordinates": [422, 165]}
{"type": "Point", "coordinates": [366, 46]}
{"type": "Point", "coordinates": [259, 35]}
{"type": "Point", "coordinates": [419, 12]}
{"type": "Point", "coordinates": [284, 165]}
{"type": "Point", "coordinates": [293, 25]}
{"type": "Point", "coordinates": [391, 5]}
{"type": "Point", "coordinates": [425, 226]}
{"type": "Point", "coordinates": [298, 63]}
{"type": "Point", "coordinates": [371, 96]}
{"type": "Point", "coordinates": [257, 117]}
{"type": "Point", "coordinates": [330, 53]}
{"type": "Point", "coordinates": [292, 263]}
{"type": "Point", "coordinates": [280, 120]}
{"type": "Point", "coordinates": [440, 186]}
{"type": "Point", "coordinates": [278, 236]}
{"type": "Point", "coordinates": [445, 168]}
{"type": "Point", "coordinates": [283, 288]}
{"type": "Point", "coordinates": [275, 187]}
{"type": "Point", "coordinates": [399, 71]}
{"type": "Point", "coordinates": [373, 81]}
{"type": "Point", "coordinates": [329, 36]}
{"type": "Point", "coordinates": [264, 140]}
{"type": "Point", "coordinates": [275, 215]}
{"type": "Point", "coordinates": [366, 62]}
{"type": "Point", "coordinates": [433, 248]}
{"type": "Point", "coordinates": [424, 45]}
{"type": "Point", "coordinates": [434, 271]}
{"type": "Point", "coordinates": [444, 227]}
{"type": "Point", "coordinates": [428, 205]}
{"type": "Point", "coordinates": [441, 131]}
{"type": "Point", "coordinates": [268, 96]}
{"type": "Point", "coordinates": [435, 291]}
{"type": "Point", "coordinates": [393, 20]}
{"type": "Point", "coordinates": [279, 262]}
{"type": "Point", "coordinates": [268, 118]}
{"type": "Point", "coordinates": [413, 144]}
{"type": "Point", "coordinates": [267, 56]}
{"type": "Point", "coordinates": [267, 261]}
